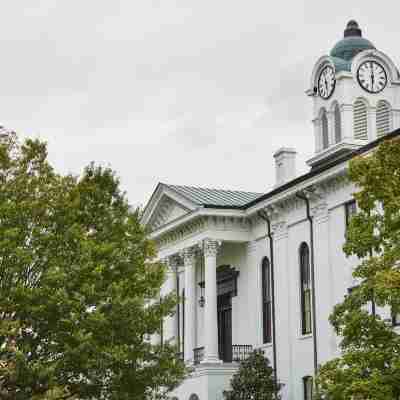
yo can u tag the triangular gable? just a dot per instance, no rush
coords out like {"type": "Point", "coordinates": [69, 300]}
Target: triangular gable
{"type": "Point", "coordinates": [165, 206]}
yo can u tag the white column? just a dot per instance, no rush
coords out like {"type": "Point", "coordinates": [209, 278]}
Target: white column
{"type": "Point", "coordinates": [210, 309]}
{"type": "Point", "coordinates": [189, 258]}
{"type": "Point", "coordinates": [331, 127]}
{"type": "Point", "coordinates": [172, 322]}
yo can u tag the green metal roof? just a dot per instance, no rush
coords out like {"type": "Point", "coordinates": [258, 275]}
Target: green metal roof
{"type": "Point", "coordinates": [215, 197]}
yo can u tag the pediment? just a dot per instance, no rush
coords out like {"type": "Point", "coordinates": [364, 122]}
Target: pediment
{"type": "Point", "coordinates": [164, 207]}
{"type": "Point", "coordinates": [168, 210]}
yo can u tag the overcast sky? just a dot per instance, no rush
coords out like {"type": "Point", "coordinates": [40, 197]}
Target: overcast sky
{"type": "Point", "coordinates": [193, 92]}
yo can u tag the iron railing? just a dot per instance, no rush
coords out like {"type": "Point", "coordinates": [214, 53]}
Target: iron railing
{"type": "Point", "coordinates": [241, 351]}
{"type": "Point", "coordinates": [198, 355]}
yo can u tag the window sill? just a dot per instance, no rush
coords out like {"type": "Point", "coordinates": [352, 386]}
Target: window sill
{"type": "Point", "coordinates": [305, 336]}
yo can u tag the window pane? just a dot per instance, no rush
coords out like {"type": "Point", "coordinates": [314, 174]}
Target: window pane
{"type": "Point", "coordinates": [305, 278]}
{"type": "Point", "coordinates": [307, 312]}
{"type": "Point", "coordinates": [266, 291]}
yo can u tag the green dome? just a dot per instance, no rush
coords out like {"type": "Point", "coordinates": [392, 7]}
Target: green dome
{"type": "Point", "coordinates": [347, 48]}
{"type": "Point", "coordinates": [341, 64]}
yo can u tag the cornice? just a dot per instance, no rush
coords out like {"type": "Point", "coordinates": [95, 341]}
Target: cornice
{"type": "Point", "coordinates": [199, 223]}
{"type": "Point", "coordinates": [318, 193]}
{"type": "Point", "coordinates": [286, 201]}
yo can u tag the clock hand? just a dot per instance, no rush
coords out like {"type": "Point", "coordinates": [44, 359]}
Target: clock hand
{"type": "Point", "coordinates": [372, 77]}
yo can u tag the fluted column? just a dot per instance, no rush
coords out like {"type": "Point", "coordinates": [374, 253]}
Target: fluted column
{"type": "Point", "coordinates": [172, 322]}
{"type": "Point", "coordinates": [210, 311]}
{"type": "Point", "coordinates": [189, 259]}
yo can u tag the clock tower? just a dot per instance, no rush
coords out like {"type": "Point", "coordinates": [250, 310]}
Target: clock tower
{"type": "Point", "coordinates": [356, 96]}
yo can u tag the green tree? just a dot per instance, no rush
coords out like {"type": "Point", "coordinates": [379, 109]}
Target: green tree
{"type": "Point", "coordinates": [254, 380]}
{"type": "Point", "coordinates": [76, 286]}
{"type": "Point", "coordinates": [369, 367]}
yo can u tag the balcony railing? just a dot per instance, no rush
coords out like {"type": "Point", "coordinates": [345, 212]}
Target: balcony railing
{"type": "Point", "coordinates": [241, 351]}
{"type": "Point", "coordinates": [198, 355]}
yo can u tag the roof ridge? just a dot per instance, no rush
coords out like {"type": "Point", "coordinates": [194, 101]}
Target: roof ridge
{"type": "Point", "coordinates": [214, 189]}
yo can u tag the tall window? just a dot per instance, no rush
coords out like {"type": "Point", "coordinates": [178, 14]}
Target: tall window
{"type": "Point", "coordinates": [338, 124]}
{"type": "Point", "coordinates": [324, 129]}
{"type": "Point", "coordinates": [308, 387]}
{"type": "Point", "coordinates": [350, 210]}
{"type": "Point", "coordinates": [382, 118]}
{"type": "Point", "coordinates": [266, 300]}
{"type": "Point", "coordinates": [305, 281]}
{"type": "Point", "coordinates": [360, 119]}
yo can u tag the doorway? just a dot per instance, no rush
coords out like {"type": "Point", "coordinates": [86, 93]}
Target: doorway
{"type": "Point", "coordinates": [225, 327]}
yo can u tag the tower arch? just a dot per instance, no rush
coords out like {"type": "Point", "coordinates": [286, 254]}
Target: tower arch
{"type": "Point", "coordinates": [383, 118]}
{"type": "Point", "coordinates": [360, 118]}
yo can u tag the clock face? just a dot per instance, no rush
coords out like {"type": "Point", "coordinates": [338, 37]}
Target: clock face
{"type": "Point", "coordinates": [372, 76]}
{"type": "Point", "coordinates": [326, 82]}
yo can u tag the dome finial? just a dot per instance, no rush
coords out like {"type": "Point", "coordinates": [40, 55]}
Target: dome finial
{"type": "Point", "coordinates": [352, 29]}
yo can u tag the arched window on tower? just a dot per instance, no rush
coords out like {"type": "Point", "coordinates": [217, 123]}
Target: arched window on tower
{"type": "Point", "coordinates": [324, 129]}
{"type": "Point", "coordinates": [338, 124]}
{"type": "Point", "coordinates": [383, 118]}
{"type": "Point", "coordinates": [360, 119]}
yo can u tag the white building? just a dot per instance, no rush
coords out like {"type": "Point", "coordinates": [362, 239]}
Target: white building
{"type": "Point", "coordinates": [265, 270]}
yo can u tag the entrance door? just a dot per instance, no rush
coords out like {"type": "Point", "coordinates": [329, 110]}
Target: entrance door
{"type": "Point", "coordinates": [225, 327]}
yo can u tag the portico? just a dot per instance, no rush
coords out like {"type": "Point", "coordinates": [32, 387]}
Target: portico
{"type": "Point", "coordinates": [205, 327]}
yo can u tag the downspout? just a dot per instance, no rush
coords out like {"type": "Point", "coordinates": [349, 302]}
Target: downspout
{"type": "Point", "coordinates": [301, 196]}
{"type": "Point", "coordinates": [264, 216]}
{"type": "Point", "coordinates": [178, 311]}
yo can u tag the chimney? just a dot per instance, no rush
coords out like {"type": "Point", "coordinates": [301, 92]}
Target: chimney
{"type": "Point", "coordinates": [285, 165]}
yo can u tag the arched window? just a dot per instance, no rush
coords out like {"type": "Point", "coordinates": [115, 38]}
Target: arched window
{"type": "Point", "coordinates": [305, 289]}
{"type": "Point", "coordinates": [324, 129]}
{"type": "Point", "coordinates": [266, 300]}
{"type": "Point", "coordinates": [338, 124]}
{"type": "Point", "coordinates": [382, 118]}
{"type": "Point", "coordinates": [360, 119]}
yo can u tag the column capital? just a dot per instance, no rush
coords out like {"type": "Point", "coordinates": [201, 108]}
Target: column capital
{"type": "Point", "coordinates": [279, 229]}
{"type": "Point", "coordinates": [166, 261]}
{"type": "Point", "coordinates": [189, 255]}
{"type": "Point", "coordinates": [320, 210]}
{"type": "Point", "coordinates": [211, 247]}
{"type": "Point", "coordinates": [172, 262]}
